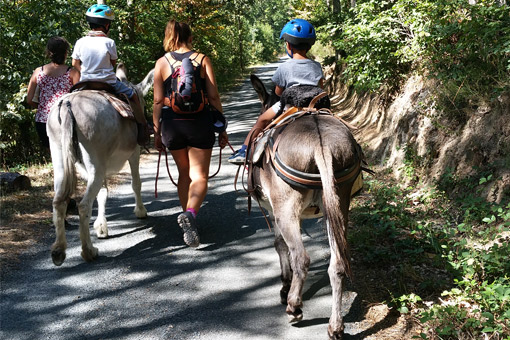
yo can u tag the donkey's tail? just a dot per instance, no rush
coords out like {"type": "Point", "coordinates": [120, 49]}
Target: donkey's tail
{"type": "Point", "coordinates": [69, 145]}
{"type": "Point", "coordinates": [335, 219]}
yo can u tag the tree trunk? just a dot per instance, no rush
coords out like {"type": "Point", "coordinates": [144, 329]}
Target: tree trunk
{"type": "Point", "coordinates": [337, 7]}
{"type": "Point", "coordinates": [240, 41]}
{"type": "Point", "coordinates": [101, 2]}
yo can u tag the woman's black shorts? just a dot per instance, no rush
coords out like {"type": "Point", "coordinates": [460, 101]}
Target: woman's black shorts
{"type": "Point", "coordinates": [179, 131]}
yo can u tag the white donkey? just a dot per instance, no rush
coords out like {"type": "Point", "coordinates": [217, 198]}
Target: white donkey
{"type": "Point", "coordinates": [88, 134]}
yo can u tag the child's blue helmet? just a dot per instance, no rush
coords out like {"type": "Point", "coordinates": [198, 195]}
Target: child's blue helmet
{"type": "Point", "coordinates": [100, 14]}
{"type": "Point", "coordinates": [298, 32]}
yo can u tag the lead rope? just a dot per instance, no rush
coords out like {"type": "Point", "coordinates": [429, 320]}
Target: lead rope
{"type": "Point", "coordinates": [246, 167]}
{"type": "Point", "coordinates": [157, 173]}
{"type": "Point", "coordinates": [170, 175]}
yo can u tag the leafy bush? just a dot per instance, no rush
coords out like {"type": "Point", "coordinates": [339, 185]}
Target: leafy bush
{"type": "Point", "coordinates": [381, 42]}
{"type": "Point", "coordinates": [402, 230]}
{"type": "Point", "coordinates": [466, 47]}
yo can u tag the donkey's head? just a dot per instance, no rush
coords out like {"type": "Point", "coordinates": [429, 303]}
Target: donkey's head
{"type": "Point", "coordinates": [141, 88]}
{"type": "Point", "coordinates": [266, 99]}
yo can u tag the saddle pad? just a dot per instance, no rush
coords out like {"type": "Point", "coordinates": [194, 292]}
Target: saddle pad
{"type": "Point", "coordinates": [123, 108]}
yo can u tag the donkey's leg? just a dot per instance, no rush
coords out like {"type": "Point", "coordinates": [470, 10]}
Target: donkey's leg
{"type": "Point", "coordinates": [136, 183]}
{"type": "Point", "coordinates": [101, 225]}
{"type": "Point", "coordinates": [58, 249]}
{"type": "Point", "coordinates": [94, 183]}
{"type": "Point", "coordinates": [336, 272]}
{"type": "Point", "coordinates": [287, 219]}
{"type": "Point", "coordinates": [286, 270]}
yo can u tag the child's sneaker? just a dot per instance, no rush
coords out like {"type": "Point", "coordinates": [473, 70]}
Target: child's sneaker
{"type": "Point", "coordinates": [238, 157]}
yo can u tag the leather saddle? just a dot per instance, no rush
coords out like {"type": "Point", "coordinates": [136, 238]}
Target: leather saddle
{"type": "Point", "coordinates": [119, 102]}
{"type": "Point", "coordinates": [93, 85]}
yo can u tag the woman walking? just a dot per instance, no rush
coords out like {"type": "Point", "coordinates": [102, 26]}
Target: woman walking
{"type": "Point", "coordinates": [189, 136]}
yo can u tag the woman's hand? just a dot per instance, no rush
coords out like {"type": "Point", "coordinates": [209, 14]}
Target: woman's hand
{"type": "Point", "coordinates": [223, 139]}
{"type": "Point", "coordinates": [158, 145]}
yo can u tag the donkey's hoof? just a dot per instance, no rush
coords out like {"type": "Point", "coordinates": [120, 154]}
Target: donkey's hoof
{"type": "Point", "coordinates": [335, 335]}
{"type": "Point", "coordinates": [140, 212]}
{"type": "Point", "coordinates": [101, 227]}
{"type": "Point", "coordinates": [89, 255]}
{"type": "Point", "coordinates": [294, 316]}
{"type": "Point", "coordinates": [58, 256]}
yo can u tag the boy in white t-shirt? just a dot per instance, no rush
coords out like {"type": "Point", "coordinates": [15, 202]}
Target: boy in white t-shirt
{"type": "Point", "coordinates": [95, 56]}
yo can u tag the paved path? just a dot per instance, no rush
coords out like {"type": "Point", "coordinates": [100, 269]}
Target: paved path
{"type": "Point", "coordinates": [147, 284]}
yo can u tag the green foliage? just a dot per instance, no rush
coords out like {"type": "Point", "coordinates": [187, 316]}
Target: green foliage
{"type": "Point", "coordinates": [25, 30]}
{"type": "Point", "coordinates": [405, 230]}
{"type": "Point", "coordinates": [381, 41]}
{"type": "Point", "coordinates": [466, 47]}
{"type": "Point", "coordinates": [234, 34]}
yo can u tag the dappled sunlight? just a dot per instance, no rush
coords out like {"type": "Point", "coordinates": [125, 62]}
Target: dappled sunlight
{"type": "Point", "coordinates": [146, 283]}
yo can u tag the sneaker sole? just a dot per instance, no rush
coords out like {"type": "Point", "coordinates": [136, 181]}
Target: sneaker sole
{"type": "Point", "coordinates": [236, 161]}
{"type": "Point", "coordinates": [190, 231]}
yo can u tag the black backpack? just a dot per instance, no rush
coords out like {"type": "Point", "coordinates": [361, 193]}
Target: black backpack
{"type": "Point", "coordinates": [187, 92]}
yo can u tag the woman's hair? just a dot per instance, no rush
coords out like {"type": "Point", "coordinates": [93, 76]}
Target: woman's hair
{"type": "Point", "coordinates": [176, 34]}
{"type": "Point", "coordinates": [56, 50]}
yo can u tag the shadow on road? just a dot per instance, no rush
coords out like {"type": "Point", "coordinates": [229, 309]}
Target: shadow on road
{"type": "Point", "coordinates": [147, 284]}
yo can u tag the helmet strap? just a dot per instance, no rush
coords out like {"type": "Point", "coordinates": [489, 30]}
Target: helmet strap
{"type": "Point", "coordinates": [287, 48]}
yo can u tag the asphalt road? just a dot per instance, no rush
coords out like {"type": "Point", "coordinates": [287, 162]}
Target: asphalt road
{"type": "Point", "coordinates": [147, 284]}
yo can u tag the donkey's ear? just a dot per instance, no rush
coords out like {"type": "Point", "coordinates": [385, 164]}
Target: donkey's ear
{"type": "Point", "coordinates": [259, 88]}
{"type": "Point", "coordinates": [146, 83]}
{"type": "Point", "coordinates": [121, 72]}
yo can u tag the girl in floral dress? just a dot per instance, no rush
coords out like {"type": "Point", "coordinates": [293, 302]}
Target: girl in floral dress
{"type": "Point", "coordinates": [53, 80]}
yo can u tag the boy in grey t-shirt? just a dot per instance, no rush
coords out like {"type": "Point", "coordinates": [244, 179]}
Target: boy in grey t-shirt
{"type": "Point", "coordinates": [299, 36]}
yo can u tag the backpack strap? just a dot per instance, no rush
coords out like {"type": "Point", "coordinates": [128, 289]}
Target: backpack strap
{"type": "Point", "coordinates": [200, 63]}
{"type": "Point", "coordinates": [171, 61]}
{"type": "Point", "coordinates": [196, 57]}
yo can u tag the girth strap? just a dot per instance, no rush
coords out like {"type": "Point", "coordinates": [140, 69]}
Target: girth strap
{"type": "Point", "coordinates": [312, 181]}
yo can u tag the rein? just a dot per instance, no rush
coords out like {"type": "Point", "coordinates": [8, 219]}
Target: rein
{"type": "Point", "coordinates": [170, 175]}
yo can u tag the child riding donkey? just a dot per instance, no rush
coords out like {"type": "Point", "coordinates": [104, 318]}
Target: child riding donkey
{"type": "Point", "coordinates": [299, 36]}
{"type": "Point", "coordinates": [95, 56]}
